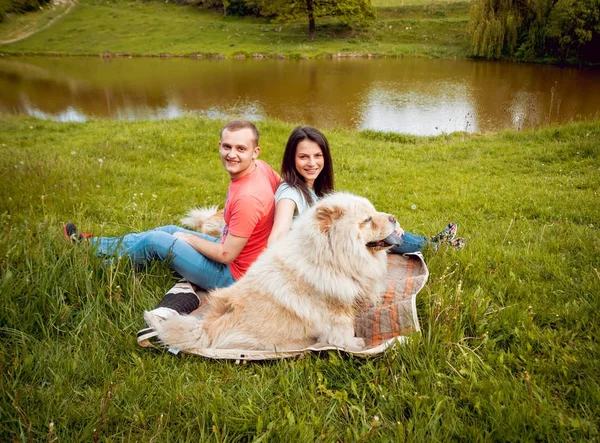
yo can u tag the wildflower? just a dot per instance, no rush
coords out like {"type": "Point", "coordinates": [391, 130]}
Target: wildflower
{"type": "Point", "coordinates": [100, 160]}
{"type": "Point", "coordinates": [73, 152]}
{"type": "Point", "coordinates": [413, 207]}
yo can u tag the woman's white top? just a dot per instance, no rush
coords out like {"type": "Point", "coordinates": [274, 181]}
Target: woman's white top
{"type": "Point", "coordinates": [286, 191]}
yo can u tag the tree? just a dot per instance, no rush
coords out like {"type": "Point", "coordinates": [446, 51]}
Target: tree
{"type": "Point", "coordinates": [531, 29]}
{"type": "Point", "coordinates": [351, 12]}
{"type": "Point", "coordinates": [574, 30]}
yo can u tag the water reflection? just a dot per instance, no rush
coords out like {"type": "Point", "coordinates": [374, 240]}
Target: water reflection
{"type": "Point", "coordinates": [391, 111]}
{"type": "Point", "coordinates": [416, 96]}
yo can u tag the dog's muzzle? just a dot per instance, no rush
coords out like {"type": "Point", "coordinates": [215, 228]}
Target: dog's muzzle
{"type": "Point", "coordinates": [390, 241]}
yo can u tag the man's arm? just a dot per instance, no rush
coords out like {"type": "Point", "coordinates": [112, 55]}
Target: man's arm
{"type": "Point", "coordinates": [225, 252]}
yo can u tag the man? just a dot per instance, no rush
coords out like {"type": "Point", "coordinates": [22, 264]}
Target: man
{"type": "Point", "coordinates": [249, 209]}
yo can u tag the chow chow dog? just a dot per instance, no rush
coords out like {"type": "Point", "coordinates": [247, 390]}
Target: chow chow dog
{"type": "Point", "coordinates": [305, 289]}
{"type": "Point", "coordinates": [208, 221]}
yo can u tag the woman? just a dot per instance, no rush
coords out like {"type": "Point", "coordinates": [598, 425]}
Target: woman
{"type": "Point", "coordinates": [307, 174]}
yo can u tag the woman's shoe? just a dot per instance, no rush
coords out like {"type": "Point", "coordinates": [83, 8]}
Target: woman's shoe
{"type": "Point", "coordinates": [457, 243]}
{"type": "Point", "coordinates": [446, 235]}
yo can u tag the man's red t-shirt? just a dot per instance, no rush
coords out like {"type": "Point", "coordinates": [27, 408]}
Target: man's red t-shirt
{"type": "Point", "coordinates": [249, 213]}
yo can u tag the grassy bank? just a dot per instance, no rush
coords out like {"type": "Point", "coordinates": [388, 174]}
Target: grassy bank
{"type": "Point", "coordinates": [154, 28]}
{"type": "Point", "coordinates": [509, 348]}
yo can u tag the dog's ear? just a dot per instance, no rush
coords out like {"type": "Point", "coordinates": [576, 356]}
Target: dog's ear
{"type": "Point", "coordinates": [326, 214]}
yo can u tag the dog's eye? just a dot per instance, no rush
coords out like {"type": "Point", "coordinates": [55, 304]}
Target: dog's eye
{"type": "Point", "coordinates": [368, 220]}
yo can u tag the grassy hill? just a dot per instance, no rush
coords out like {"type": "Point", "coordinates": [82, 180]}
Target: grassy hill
{"type": "Point", "coordinates": [93, 27]}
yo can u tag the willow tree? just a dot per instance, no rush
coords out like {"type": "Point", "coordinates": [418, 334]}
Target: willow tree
{"type": "Point", "coordinates": [350, 12]}
{"type": "Point", "coordinates": [494, 27]}
{"type": "Point", "coordinates": [529, 29]}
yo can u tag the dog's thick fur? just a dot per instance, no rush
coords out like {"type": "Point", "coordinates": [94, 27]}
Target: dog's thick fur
{"type": "Point", "coordinates": [208, 221]}
{"type": "Point", "coordinates": [304, 290]}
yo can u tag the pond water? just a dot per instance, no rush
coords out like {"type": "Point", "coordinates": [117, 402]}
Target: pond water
{"type": "Point", "coordinates": [408, 95]}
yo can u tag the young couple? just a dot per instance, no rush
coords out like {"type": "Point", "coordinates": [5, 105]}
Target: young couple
{"type": "Point", "coordinates": [259, 210]}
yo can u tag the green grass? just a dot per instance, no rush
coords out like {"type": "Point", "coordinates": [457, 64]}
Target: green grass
{"type": "Point", "coordinates": [16, 26]}
{"type": "Point", "coordinates": [152, 28]}
{"type": "Point", "coordinates": [509, 347]}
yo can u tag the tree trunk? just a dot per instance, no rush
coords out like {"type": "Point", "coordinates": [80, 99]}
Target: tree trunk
{"type": "Point", "coordinates": [312, 33]}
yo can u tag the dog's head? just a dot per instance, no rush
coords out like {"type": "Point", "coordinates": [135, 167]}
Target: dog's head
{"type": "Point", "coordinates": [344, 215]}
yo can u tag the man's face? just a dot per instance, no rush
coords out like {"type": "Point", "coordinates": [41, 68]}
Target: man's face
{"type": "Point", "coordinates": [238, 152]}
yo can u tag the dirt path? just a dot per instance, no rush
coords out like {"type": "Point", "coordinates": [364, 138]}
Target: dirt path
{"type": "Point", "coordinates": [29, 32]}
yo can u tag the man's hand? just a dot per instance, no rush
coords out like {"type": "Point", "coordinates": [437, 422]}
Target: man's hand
{"type": "Point", "coordinates": [225, 252]}
{"type": "Point", "coordinates": [183, 236]}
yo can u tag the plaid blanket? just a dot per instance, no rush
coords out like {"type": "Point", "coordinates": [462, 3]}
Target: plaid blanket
{"type": "Point", "coordinates": [381, 326]}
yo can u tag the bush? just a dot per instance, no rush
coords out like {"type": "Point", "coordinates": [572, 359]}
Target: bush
{"type": "Point", "coordinates": [228, 7]}
{"type": "Point", "coordinates": [21, 6]}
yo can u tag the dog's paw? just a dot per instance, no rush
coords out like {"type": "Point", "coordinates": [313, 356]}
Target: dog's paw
{"type": "Point", "coordinates": [360, 343]}
{"type": "Point", "coordinates": [355, 344]}
{"type": "Point", "coordinates": [345, 341]}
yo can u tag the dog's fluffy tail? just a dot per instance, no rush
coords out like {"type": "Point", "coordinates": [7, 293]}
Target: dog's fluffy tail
{"type": "Point", "coordinates": [184, 332]}
{"type": "Point", "coordinates": [197, 216]}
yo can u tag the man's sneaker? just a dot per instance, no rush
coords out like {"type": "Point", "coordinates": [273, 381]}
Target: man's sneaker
{"type": "Point", "coordinates": [148, 338]}
{"type": "Point", "coordinates": [72, 234]}
{"type": "Point", "coordinates": [446, 235]}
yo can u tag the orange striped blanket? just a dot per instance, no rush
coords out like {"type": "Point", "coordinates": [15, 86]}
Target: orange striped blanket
{"type": "Point", "coordinates": [381, 326]}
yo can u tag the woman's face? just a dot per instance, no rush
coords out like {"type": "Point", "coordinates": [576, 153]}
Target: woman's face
{"type": "Point", "coordinates": [309, 161]}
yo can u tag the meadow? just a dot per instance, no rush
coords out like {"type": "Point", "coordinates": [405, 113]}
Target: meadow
{"type": "Point", "coordinates": [149, 28]}
{"type": "Point", "coordinates": [509, 346]}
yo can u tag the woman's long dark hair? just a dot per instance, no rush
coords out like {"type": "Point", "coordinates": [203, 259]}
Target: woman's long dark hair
{"type": "Point", "coordinates": [324, 182]}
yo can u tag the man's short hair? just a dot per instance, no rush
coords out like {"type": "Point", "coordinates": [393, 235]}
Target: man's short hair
{"type": "Point", "coordinates": [237, 124]}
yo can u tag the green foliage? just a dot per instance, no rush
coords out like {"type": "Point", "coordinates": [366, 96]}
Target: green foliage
{"type": "Point", "coordinates": [510, 339]}
{"type": "Point", "coordinates": [574, 30]}
{"type": "Point", "coordinates": [565, 29]}
{"type": "Point", "coordinates": [20, 6]}
{"type": "Point", "coordinates": [353, 13]}
{"type": "Point", "coordinates": [227, 7]}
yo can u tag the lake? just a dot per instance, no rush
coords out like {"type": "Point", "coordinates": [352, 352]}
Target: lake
{"type": "Point", "coordinates": [406, 95]}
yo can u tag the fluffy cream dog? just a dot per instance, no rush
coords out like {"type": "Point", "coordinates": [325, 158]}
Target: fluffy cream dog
{"type": "Point", "coordinates": [209, 220]}
{"type": "Point", "coordinates": [304, 290]}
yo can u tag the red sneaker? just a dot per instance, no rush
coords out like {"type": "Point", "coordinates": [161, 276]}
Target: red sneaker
{"type": "Point", "coordinates": [72, 234]}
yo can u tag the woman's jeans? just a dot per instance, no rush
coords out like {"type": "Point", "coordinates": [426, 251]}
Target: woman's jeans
{"type": "Point", "coordinates": [160, 244]}
{"type": "Point", "coordinates": [410, 243]}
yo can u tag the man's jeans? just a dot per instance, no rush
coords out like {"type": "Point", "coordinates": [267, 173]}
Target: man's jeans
{"type": "Point", "coordinates": [160, 244]}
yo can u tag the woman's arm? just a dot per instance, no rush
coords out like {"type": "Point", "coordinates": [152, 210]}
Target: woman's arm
{"type": "Point", "coordinates": [284, 214]}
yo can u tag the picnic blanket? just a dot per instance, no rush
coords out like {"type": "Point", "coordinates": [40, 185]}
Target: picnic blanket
{"type": "Point", "coordinates": [381, 326]}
